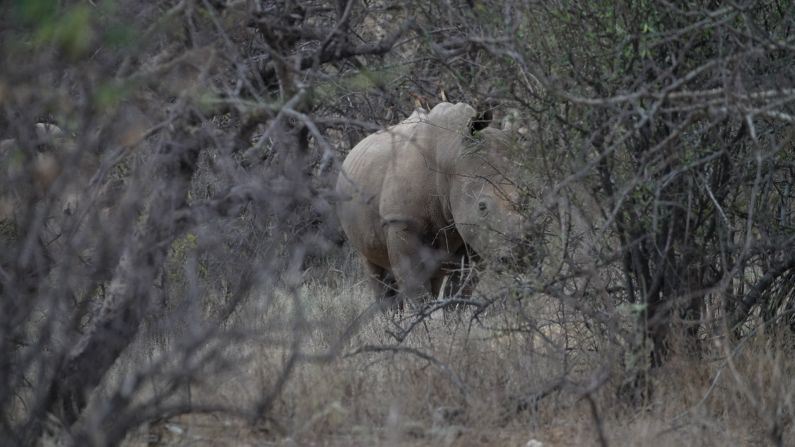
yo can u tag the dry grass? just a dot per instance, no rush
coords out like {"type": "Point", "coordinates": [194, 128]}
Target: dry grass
{"type": "Point", "coordinates": [467, 396]}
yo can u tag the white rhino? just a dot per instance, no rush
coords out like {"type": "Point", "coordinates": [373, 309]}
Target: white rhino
{"type": "Point", "coordinates": [418, 195]}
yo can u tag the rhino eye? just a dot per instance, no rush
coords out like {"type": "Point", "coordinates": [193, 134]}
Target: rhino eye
{"type": "Point", "coordinates": [482, 205]}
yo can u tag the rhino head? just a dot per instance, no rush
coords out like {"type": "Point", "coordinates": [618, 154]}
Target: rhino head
{"type": "Point", "coordinates": [485, 198]}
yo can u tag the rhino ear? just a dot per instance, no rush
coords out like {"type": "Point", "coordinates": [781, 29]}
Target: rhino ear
{"type": "Point", "coordinates": [480, 121]}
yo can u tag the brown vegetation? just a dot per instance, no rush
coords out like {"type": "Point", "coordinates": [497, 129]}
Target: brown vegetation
{"type": "Point", "coordinates": [172, 272]}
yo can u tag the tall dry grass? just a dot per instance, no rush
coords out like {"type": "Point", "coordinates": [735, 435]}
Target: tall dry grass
{"type": "Point", "coordinates": [458, 382]}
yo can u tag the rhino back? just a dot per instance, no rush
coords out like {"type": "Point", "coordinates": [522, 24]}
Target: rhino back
{"type": "Point", "coordinates": [387, 178]}
{"type": "Point", "coordinates": [359, 190]}
{"type": "Point", "coordinates": [397, 176]}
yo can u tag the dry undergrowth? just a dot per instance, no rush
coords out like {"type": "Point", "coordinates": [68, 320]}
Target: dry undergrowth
{"type": "Point", "coordinates": [467, 395]}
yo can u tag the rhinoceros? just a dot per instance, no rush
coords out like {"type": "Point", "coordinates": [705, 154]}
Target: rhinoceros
{"type": "Point", "coordinates": [417, 196]}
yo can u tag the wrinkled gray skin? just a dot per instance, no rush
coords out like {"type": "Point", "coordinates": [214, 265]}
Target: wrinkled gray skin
{"type": "Point", "coordinates": [417, 195]}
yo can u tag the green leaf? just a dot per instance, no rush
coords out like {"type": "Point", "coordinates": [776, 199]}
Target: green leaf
{"type": "Point", "coordinates": [109, 95]}
{"type": "Point", "coordinates": [119, 35]}
{"type": "Point", "coordinates": [36, 12]}
{"type": "Point", "coordinates": [631, 308]}
{"type": "Point", "coordinates": [73, 32]}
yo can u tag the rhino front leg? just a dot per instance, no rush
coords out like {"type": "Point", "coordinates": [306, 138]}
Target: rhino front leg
{"type": "Point", "coordinates": [382, 283]}
{"type": "Point", "coordinates": [461, 275]}
{"type": "Point", "coordinates": [412, 263]}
